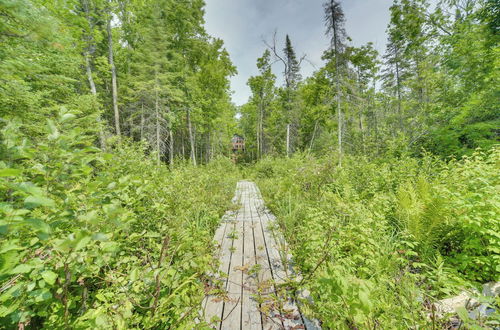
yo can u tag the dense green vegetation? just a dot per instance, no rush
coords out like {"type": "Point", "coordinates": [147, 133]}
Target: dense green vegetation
{"type": "Point", "coordinates": [115, 123]}
{"type": "Point", "coordinates": [379, 241]}
{"type": "Point", "coordinates": [94, 239]}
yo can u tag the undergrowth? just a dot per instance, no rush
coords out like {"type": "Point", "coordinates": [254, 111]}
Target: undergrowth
{"type": "Point", "coordinates": [378, 241]}
{"type": "Point", "coordinates": [92, 239]}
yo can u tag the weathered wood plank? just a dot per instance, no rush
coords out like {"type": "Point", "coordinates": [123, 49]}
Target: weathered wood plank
{"type": "Point", "coordinates": [250, 312]}
{"type": "Point", "coordinates": [290, 312]}
{"type": "Point", "coordinates": [271, 318]}
{"type": "Point", "coordinates": [218, 241]}
{"type": "Point", "coordinates": [231, 317]}
{"type": "Point", "coordinates": [215, 302]}
{"type": "Point", "coordinates": [250, 256]}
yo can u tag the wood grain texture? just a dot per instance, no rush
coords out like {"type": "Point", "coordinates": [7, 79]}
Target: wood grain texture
{"type": "Point", "coordinates": [252, 271]}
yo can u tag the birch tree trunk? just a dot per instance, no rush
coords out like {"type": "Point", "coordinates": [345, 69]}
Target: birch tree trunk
{"type": "Point", "coordinates": [171, 147]}
{"type": "Point", "coordinates": [261, 130]}
{"type": "Point", "coordinates": [89, 74]}
{"type": "Point", "coordinates": [258, 139]}
{"type": "Point", "coordinates": [113, 74]}
{"type": "Point", "coordinates": [339, 111]}
{"type": "Point", "coordinates": [88, 69]}
{"type": "Point", "coordinates": [191, 137]}
{"type": "Point", "coordinates": [102, 137]}
{"type": "Point", "coordinates": [157, 115]}
{"type": "Point", "coordinates": [313, 135]}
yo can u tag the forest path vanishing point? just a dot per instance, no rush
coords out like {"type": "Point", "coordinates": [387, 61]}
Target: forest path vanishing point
{"type": "Point", "coordinates": [251, 254]}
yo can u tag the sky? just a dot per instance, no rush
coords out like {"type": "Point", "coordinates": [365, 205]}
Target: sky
{"type": "Point", "coordinates": [244, 24]}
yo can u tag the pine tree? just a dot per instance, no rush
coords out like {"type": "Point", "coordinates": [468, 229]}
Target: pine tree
{"type": "Point", "coordinates": [292, 67]}
{"type": "Point", "coordinates": [292, 78]}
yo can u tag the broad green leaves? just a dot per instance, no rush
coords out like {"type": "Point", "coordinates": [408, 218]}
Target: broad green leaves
{"type": "Point", "coordinates": [35, 201]}
{"type": "Point", "coordinates": [85, 227]}
{"type": "Point", "coordinates": [49, 277]}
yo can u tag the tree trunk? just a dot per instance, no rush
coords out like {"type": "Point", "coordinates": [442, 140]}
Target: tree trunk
{"type": "Point", "coordinates": [89, 74]}
{"type": "Point", "coordinates": [360, 113]}
{"type": "Point", "coordinates": [209, 149]}
{"type": "Point", "coordinates": [398, 91]}
{"type": "Point", "coordinates": [258, 138]}
{"type": "Point", "coordinates": [183, 147]}
{"type": "Point", "coordinates": [88, 67]}
{"type": "Point", "coordinates": [171, 147]}
{"type": "Point", "coordinates": [339, 110]}
{"type": "Point", "coordinates": [102, 137]}
{"type": "Point", "coordinates": [191, 137]}
{"type": "Point", "coordinates": [142, 121]}
{"type": "Point", "coordinates": [261, 130]}
{"type": "Point", "coordinates": [113, 74]}
{"type": "Point", "coordinates": [337, 78]}
{"type": "Point", "coordinates": [288, 140]}
{"type": "Point", "coordinates": [157, 113]}
{"type": "Point", "coordinates": [313, 135]}
{"type": "Point", "coordinates": [362, 131]}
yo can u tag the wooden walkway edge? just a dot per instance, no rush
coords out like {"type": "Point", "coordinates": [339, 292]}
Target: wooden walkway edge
{"type": "Point", "coordinates": [246, 292]}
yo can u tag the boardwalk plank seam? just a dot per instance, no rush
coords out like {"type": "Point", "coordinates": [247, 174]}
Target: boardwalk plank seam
{"type": "Point", "coordinates": [252, 268]}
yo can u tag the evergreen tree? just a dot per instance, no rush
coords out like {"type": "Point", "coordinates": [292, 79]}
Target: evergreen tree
{"type": "Point", "coordinates": [292, 110]}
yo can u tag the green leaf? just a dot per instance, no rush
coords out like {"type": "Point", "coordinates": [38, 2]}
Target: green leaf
{"type": "Point", "coordinates": [101, 297]}
{"type": "Point", "coordinates": [38, 225]}
{"type": "Point", "coordinates": [134, 274]}
{"type": "Point", "coordinates": [31, 189]}
{"type": "Point", "coordinates": [101, 321]}
{"type": "Point", "coordinates": [365, 301]}
{"type": "Point", "coordinates": [9, 246]}
{"type": "Point", "coordinates": [54, 132]}
{"type": "Point", "coordinates": [462, 313]}
{"type": "Point", "coordinates": [49, 277]}
{"type": "Point", "coordinates": [35, 201]}
{"type": "Point", "coordinates": [10, 172]}
{"type": "Point", "coordinates": [21, 269]}
{"type": "Point", "coordinates": [100, 237]}
{"type": "Point", "coordinates": [66, 117]}
{"type": "Point", "coordinates": [41, 295]}
{"type": "Point", "coordinates": [82, 242]}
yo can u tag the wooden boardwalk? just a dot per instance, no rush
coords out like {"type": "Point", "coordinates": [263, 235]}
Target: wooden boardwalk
{"type": "Point", "coordinates": [248, 291]}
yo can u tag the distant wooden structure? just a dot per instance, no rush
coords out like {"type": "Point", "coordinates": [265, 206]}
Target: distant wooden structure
{"type": "Point", "coordinates": [237, 143]}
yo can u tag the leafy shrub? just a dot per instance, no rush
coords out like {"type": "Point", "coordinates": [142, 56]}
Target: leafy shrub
{"type": "Point", "coordinates": [93, 239]}
{"type": "Point", "coordinates": [378, 240]}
